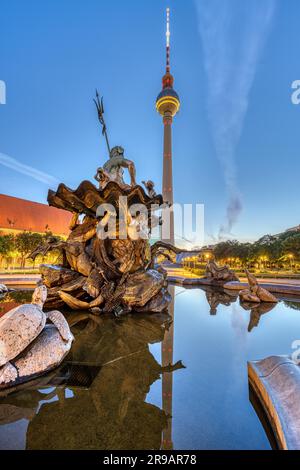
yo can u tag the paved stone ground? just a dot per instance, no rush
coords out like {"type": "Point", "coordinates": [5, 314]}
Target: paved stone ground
{"type": "Point", "coordinates": [176, 274]}
{"type": "Point", "coordinates": [178, 271]}
{"type": "Point", "coordinates": [19, 279]}
{"type": "Point", "coordinates": [180, 276]}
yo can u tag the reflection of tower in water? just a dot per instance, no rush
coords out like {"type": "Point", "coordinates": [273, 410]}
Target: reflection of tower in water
{"type": "Point", "coordinates": [167, 377]}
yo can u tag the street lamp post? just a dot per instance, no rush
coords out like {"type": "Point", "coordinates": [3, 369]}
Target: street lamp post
{"type": "Point", "coordinates": [290, 256]}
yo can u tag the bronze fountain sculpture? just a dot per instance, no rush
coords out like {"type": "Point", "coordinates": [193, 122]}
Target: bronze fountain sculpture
{"type": "Point", "coordinates": [108, 262]}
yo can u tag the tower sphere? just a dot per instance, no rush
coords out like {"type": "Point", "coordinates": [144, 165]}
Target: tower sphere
{"type": "Point", "coordinates": [168, 101]}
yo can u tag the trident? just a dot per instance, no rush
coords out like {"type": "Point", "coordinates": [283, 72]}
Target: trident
{"type": "Point", "coordinates": [100, 110]}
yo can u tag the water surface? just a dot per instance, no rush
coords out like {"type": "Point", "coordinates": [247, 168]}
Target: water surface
{"type": "Point", "coordinates": [116, 391]}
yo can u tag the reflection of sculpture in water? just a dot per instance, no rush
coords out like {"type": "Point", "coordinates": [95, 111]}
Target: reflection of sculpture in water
{"type": "Point", "coordinates": [292, 304]}
{"type": "Point", "coordinates": [257, 310]}
{"type": "Point", "coordinates": [217, 297]}
{"type": "Point", "coordinates": [112, 413]}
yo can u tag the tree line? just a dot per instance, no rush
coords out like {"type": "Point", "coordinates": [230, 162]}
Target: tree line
{"type": "Point", "coordinates": [16, 247]}
{"type": "Point", "coordinates": [269, 251]}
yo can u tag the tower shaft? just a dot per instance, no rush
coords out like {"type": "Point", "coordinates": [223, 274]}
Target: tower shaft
{"type": "Point", "coordinates": [167, 184]}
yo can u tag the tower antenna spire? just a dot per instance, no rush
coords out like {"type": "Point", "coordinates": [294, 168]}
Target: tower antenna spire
{"type": "Point", "coordinates": [168, 34]}
{"type": "Point", "coordinates": [168, 104]}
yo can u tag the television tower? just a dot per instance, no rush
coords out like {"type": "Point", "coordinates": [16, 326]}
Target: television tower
{"type": "Point", "coordinates": [167, 104]}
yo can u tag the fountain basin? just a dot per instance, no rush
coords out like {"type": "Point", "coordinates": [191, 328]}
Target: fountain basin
{"type": "Point", "coordinates": [276, 382]}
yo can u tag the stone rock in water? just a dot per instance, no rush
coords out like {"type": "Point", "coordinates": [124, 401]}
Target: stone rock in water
{"type": "Point", "coordinates": [18, 328]}
{"type": "Point", "coordinates": [45, 353]}
{"type": "Point", "coordinates": [8, 373]}
{"type": "Point", "coordinates": [61, 324]}
{"type": "Point", "coordinates": [29, 347]}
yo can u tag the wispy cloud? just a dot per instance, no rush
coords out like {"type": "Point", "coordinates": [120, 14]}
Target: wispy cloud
{"type": "Point", "coordinates": [38, 175]}
{"type": "Point", "coordinates": [233, 34]}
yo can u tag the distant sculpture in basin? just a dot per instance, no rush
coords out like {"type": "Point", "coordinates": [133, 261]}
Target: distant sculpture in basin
{"type": "Point", "coordinates": [219, 274]}
{"type": "Point", "coordinates": [3, 289]}
{"type": "Point", "coordinates": [255, 293]}
{"type": "Point", "coordinates": [29, 347]}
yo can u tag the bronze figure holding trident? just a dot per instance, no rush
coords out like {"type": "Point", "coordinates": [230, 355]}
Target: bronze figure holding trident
{"type": "Point", "coordinates": [112, 169]}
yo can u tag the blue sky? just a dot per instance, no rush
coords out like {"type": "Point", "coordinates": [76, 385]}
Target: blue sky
{"type": "Point", "coordinates": [53, 54]}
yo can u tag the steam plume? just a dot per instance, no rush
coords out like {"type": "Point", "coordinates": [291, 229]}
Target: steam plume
{"type": "Point", "coordinates": [233, 35]}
